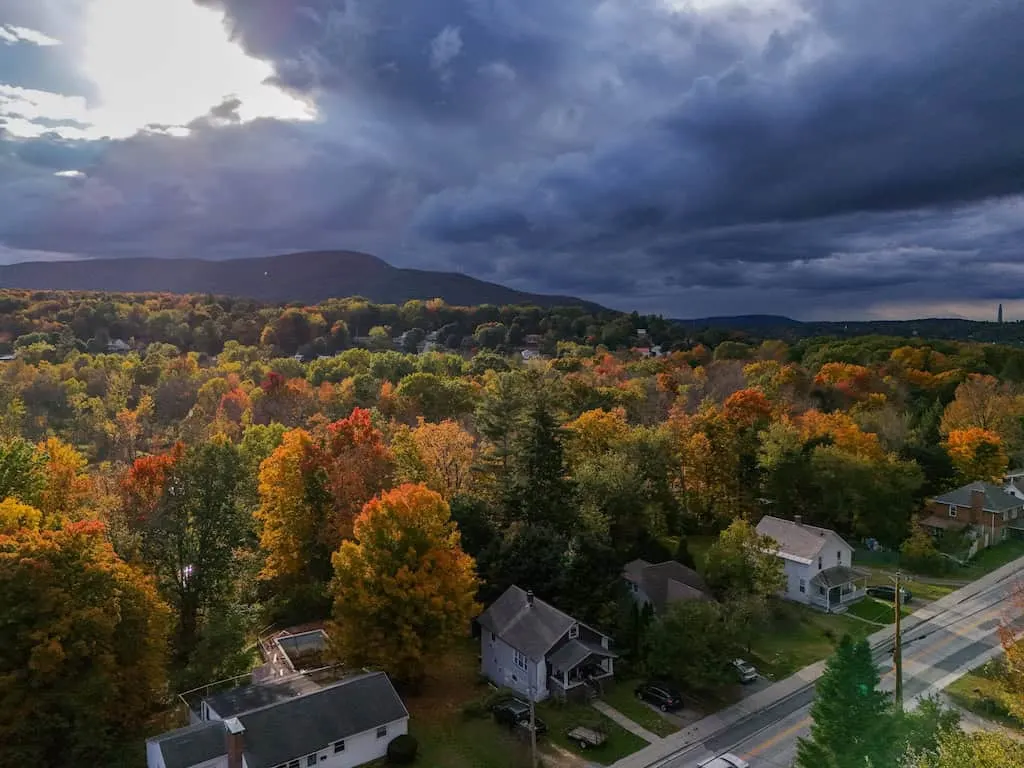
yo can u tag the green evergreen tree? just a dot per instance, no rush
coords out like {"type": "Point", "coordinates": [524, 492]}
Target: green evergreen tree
{"type": "Point", "coordinates": [854, 726]}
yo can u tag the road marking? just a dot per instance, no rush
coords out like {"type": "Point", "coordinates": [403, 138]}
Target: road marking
{"type": "Point", "coordinates": [954, 634]}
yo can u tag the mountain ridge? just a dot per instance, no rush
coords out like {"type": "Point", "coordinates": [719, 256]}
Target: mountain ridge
{"type": "Point", "coordinates": [306, 276]}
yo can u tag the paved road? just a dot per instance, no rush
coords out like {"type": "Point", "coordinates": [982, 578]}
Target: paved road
{"type": "Point", "coordinates": [935, 651]}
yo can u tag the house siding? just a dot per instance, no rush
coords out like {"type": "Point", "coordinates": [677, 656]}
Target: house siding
{"type": "Point", "coordinates": [794, 572]}
{"type": "Point", "coordinates": [359, 749]}
{"type": "Point", "coordinates": [834, 551]}
{"type": "Point", "coordinates": [498, 664]}
{"type": "Point", "coordinates": [986, 527]}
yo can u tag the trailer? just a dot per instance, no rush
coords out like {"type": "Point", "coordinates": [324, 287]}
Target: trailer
{"type": "Point", "coordinates": [586, 737]}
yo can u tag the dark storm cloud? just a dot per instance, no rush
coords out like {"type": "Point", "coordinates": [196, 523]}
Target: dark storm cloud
{"type": "Point", "coordinates": [712, 157]}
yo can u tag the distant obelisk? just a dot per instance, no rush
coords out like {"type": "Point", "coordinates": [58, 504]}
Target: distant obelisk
{"type": "Point", "coordinates": [999, 314]}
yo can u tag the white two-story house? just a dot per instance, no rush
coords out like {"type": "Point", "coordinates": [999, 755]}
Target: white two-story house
{"type": "Point", "coordinates": [343, 725]}
{"type": "Point", "coordinates": [535, 649]}
{"type": "Point", "coordinates": [818, 563]}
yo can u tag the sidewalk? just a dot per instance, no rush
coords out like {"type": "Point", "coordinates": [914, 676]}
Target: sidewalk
{"type": "Point", "coordinates": [714, 724]}
{"type": "Point", "coordinates": [635, 728]}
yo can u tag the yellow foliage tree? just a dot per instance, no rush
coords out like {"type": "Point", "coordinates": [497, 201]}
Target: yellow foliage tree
{"type": "Point", "coordinates": [983, 402]}
{"type": "Point", "coordinates": [446, 451]}
{"type": "Point", "coordinates": [14, 516]}
{"type": "Point", "coordinates": [977, 454]}
{"type": "Point", "coordinates": [596, 432]}
{"type": "Point", "coordinates": [67, 486]}
{"type": "Point", "coordinates": [289, 515]}
{"type": "Point", "coordinates": [843, 431]}
{"type": "Point", "coordinates": [404, 589]}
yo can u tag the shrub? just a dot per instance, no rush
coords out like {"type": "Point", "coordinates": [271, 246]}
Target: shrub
{"type": "Point", "coordinates": [920, 554]}
{"type": "Point", "coordinates": [482, 707]}
{"type": "Point", "coordinates": [402, 749]}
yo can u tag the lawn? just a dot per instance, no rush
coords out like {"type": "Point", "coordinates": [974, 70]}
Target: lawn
{"type": "Point", "coordinates": [562, 717]}
{"type": "Point", "coordinates": [798, 636]}
{"type": "Point", "coordinates": [920, 591]}
{"type": "Point", "coordinates": [987, 560]}
{"type": "Point", "coordinates": [465, 743]}
{"type": "Point", "coordinates": [878, 611]}
{"type": "Point", "coordinates": [621, 696]}
{"type": "Point", "coordinates": [982, 691]}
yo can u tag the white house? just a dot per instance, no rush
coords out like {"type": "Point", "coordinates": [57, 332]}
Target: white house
{"type": "Point", "coordinates": [818, 563]}
{"type": "Point", "coordinates": [343, 725]}
{"type": "Point", "coordinates": [535, 649]}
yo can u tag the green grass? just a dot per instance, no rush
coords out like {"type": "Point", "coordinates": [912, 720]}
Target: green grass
{"type": "Point", "coordinates": [799, 636]}
{"type": "Point", "coordinates": [621, 696]}
{"type": "Point", "coordinates": [561, 717]}
{"type": "Point", "coordinates": [878, 611]}
{"type": "Point", "coordinates": [983, 692]}
{"type": "Point", "coordinates": [463, 743]}
{"type": "Point", "coordinates": [919, 590]}
{"type": "Point", "coordinates": [987, 560]}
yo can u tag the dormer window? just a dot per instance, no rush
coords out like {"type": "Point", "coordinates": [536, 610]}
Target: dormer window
{"type": "Point", "coordinates": [574, 631]}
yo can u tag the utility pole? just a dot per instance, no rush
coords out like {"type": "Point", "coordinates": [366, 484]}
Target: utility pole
{"type": "Point", "coordinates": [533, 729]}
{"type": "Point", "coordinates": [897, 651]}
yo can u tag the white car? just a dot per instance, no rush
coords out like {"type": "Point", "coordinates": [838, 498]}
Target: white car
{"type": "Point", "coordinates": [728, 760]}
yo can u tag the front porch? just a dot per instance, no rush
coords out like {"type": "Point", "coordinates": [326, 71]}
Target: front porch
{"type": "Point", "coordinates": [834, 588]}
{"type": "Point", "coordinates": [577, 667]}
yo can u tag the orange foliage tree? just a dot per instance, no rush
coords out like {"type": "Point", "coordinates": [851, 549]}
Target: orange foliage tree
{"type": "Point", "coordinates": [67, 487]}
{"type": "Point", "coordinates": [403, 589]}
{"type": "Point", "coordinates": [977, 454]}
{"type": "Point", "coordinates": [84, 641]}
{"type": "Point", "coordinates": [446, 452]}
{"type": "Point", "coordinates": [143, 484]}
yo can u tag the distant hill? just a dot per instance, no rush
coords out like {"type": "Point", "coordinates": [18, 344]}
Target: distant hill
{"type": "Point", "coordinates": [307, 277]}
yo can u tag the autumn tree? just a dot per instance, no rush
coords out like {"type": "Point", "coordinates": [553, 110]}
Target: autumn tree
{"type": "Point", "coordinates": [743, 562]}
{"type": "Point", "coordinates": [66, 487]}
{"type": "Point", "coordinates": [403, 588]}
{"type": "Point", "coordinates": [977, 454]}
{"type": "Point", "coordinates": [983, 403]}
{"type": "Point", "coordinates": [192, 535]}
{"type": "Point", "coordinates": [84, 640]}
{"type": "Point", "coordinates": [22, 471]}
{"type": "Point", "coordinates": [981, 749]}
{"type": "Point", "coordinates": [1013, 698]}
{"type": "Point", "coordinates": [446, 451]}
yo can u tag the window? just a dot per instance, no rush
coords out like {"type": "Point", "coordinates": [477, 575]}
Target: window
{"type": "Point", "coordinates": [803, 585]}
{"type": "Point", "coordinates": [839, 556]}
{"type": "Point", "coordinates": [382, 732]}
{"type": "Point", "coordinates": [519, 659]}
{"type": "Point", "coordinates": [574, 631]}
{"type": "Point", "coordinates": [311, 760]}
{"type": "Point", "coordinates": [490, 637]}
{"type": "Point", "coordinates": [819, 562]}
{"type": "Point", "coordinates": [339, 746]}
{"type": "Point", "coordinates": [952, 511]}
{"type": "Point", "coordinates": [821, 590]}
{"type": "Point", "coordinates": [293, 764]}
{"type": "Point", "coordinates": [634, 586]}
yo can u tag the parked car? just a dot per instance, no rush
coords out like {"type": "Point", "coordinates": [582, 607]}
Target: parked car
{"type": "Point", "coordinates": [728, 760]}
{"type": "Point", "coordinates": [746, 671]}
{"type": "Point", "coordinates": [516, 712]}
{"type": "Point", "coordinates": [663, 696]}
{"type": "Point", "coordinates": [889, 593]}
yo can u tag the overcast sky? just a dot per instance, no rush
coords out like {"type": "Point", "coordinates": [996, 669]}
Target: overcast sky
{"type": "Point", "coordinates": [833, 159]}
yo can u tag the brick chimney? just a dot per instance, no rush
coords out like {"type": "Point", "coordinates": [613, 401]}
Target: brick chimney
{"type": "Point", "coordinates": [977, 499]}
{"type": "Point", "coordinates": [234, 733]}
{"type": "Point", "coordinates": [529, 597]}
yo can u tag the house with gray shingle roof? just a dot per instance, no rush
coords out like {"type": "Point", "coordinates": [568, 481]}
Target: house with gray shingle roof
{"type": "Point", "coordinates": [817, 562]}
{"type": "Point", "coordinates": [988, 513]}
{"type": "Point", "coordinates": [660, 584]}
{"type": "Point", "coordinates": [537, 650]}
{"type": "Point", "coordinates": [347, 724]}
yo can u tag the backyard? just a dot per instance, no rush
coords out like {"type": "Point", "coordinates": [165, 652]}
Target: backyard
{"type": "Point", "coordinates": [983, 692]}
{"type": "Point", "coordinates": [986, 561]}
{"type": "Point", "coordinates": [879, 611]}
{"type": "Point", "coordinates": [562, 717]}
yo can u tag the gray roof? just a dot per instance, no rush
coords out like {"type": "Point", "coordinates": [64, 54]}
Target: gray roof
{"type": "Point", "coordinates": [288, 730]}
{"type": "Point", "coordinates": [798, 540]}
{"type": "Point", "coordinates": [996, 499]}
{"type": "Point", "coordinates": [193, 745]}
{"type": "Point", "coordinates": [531, 630]}
{"type": "Point", "coordinates": [574, 652]}
{"type": "Point", "coordinates": [835, 576]}
{"type": "Point", "coordinates": [249, 697]}
{"type": "Point", "coordinates": [667, 582]}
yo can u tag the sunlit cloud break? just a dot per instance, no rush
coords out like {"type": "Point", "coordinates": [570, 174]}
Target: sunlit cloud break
{"type": "Point", "coordinates": [10, 34]}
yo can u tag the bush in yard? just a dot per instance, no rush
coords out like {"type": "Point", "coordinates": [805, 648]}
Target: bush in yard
{"type": "Point", "coordinates": [920, 554]}
{"type": "Point", "coordinates": [402, 749]}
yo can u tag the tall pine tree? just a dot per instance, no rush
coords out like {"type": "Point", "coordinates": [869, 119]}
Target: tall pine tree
{"type": "Point", "coordinates": [854, 725]}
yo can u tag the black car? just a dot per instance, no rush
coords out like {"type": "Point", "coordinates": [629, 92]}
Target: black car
{"type": "Point", "coordinates": [889, 593]}
{"type": "Point", "coordinates": [516, 712]}
{"type": "Point", "coordinates": [664, 697]}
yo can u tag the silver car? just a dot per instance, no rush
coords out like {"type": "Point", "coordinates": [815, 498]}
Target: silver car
{"type": "Point", "coordinates": [728, 760]}
{"type": "Point", "coordinates": [747, 672]}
